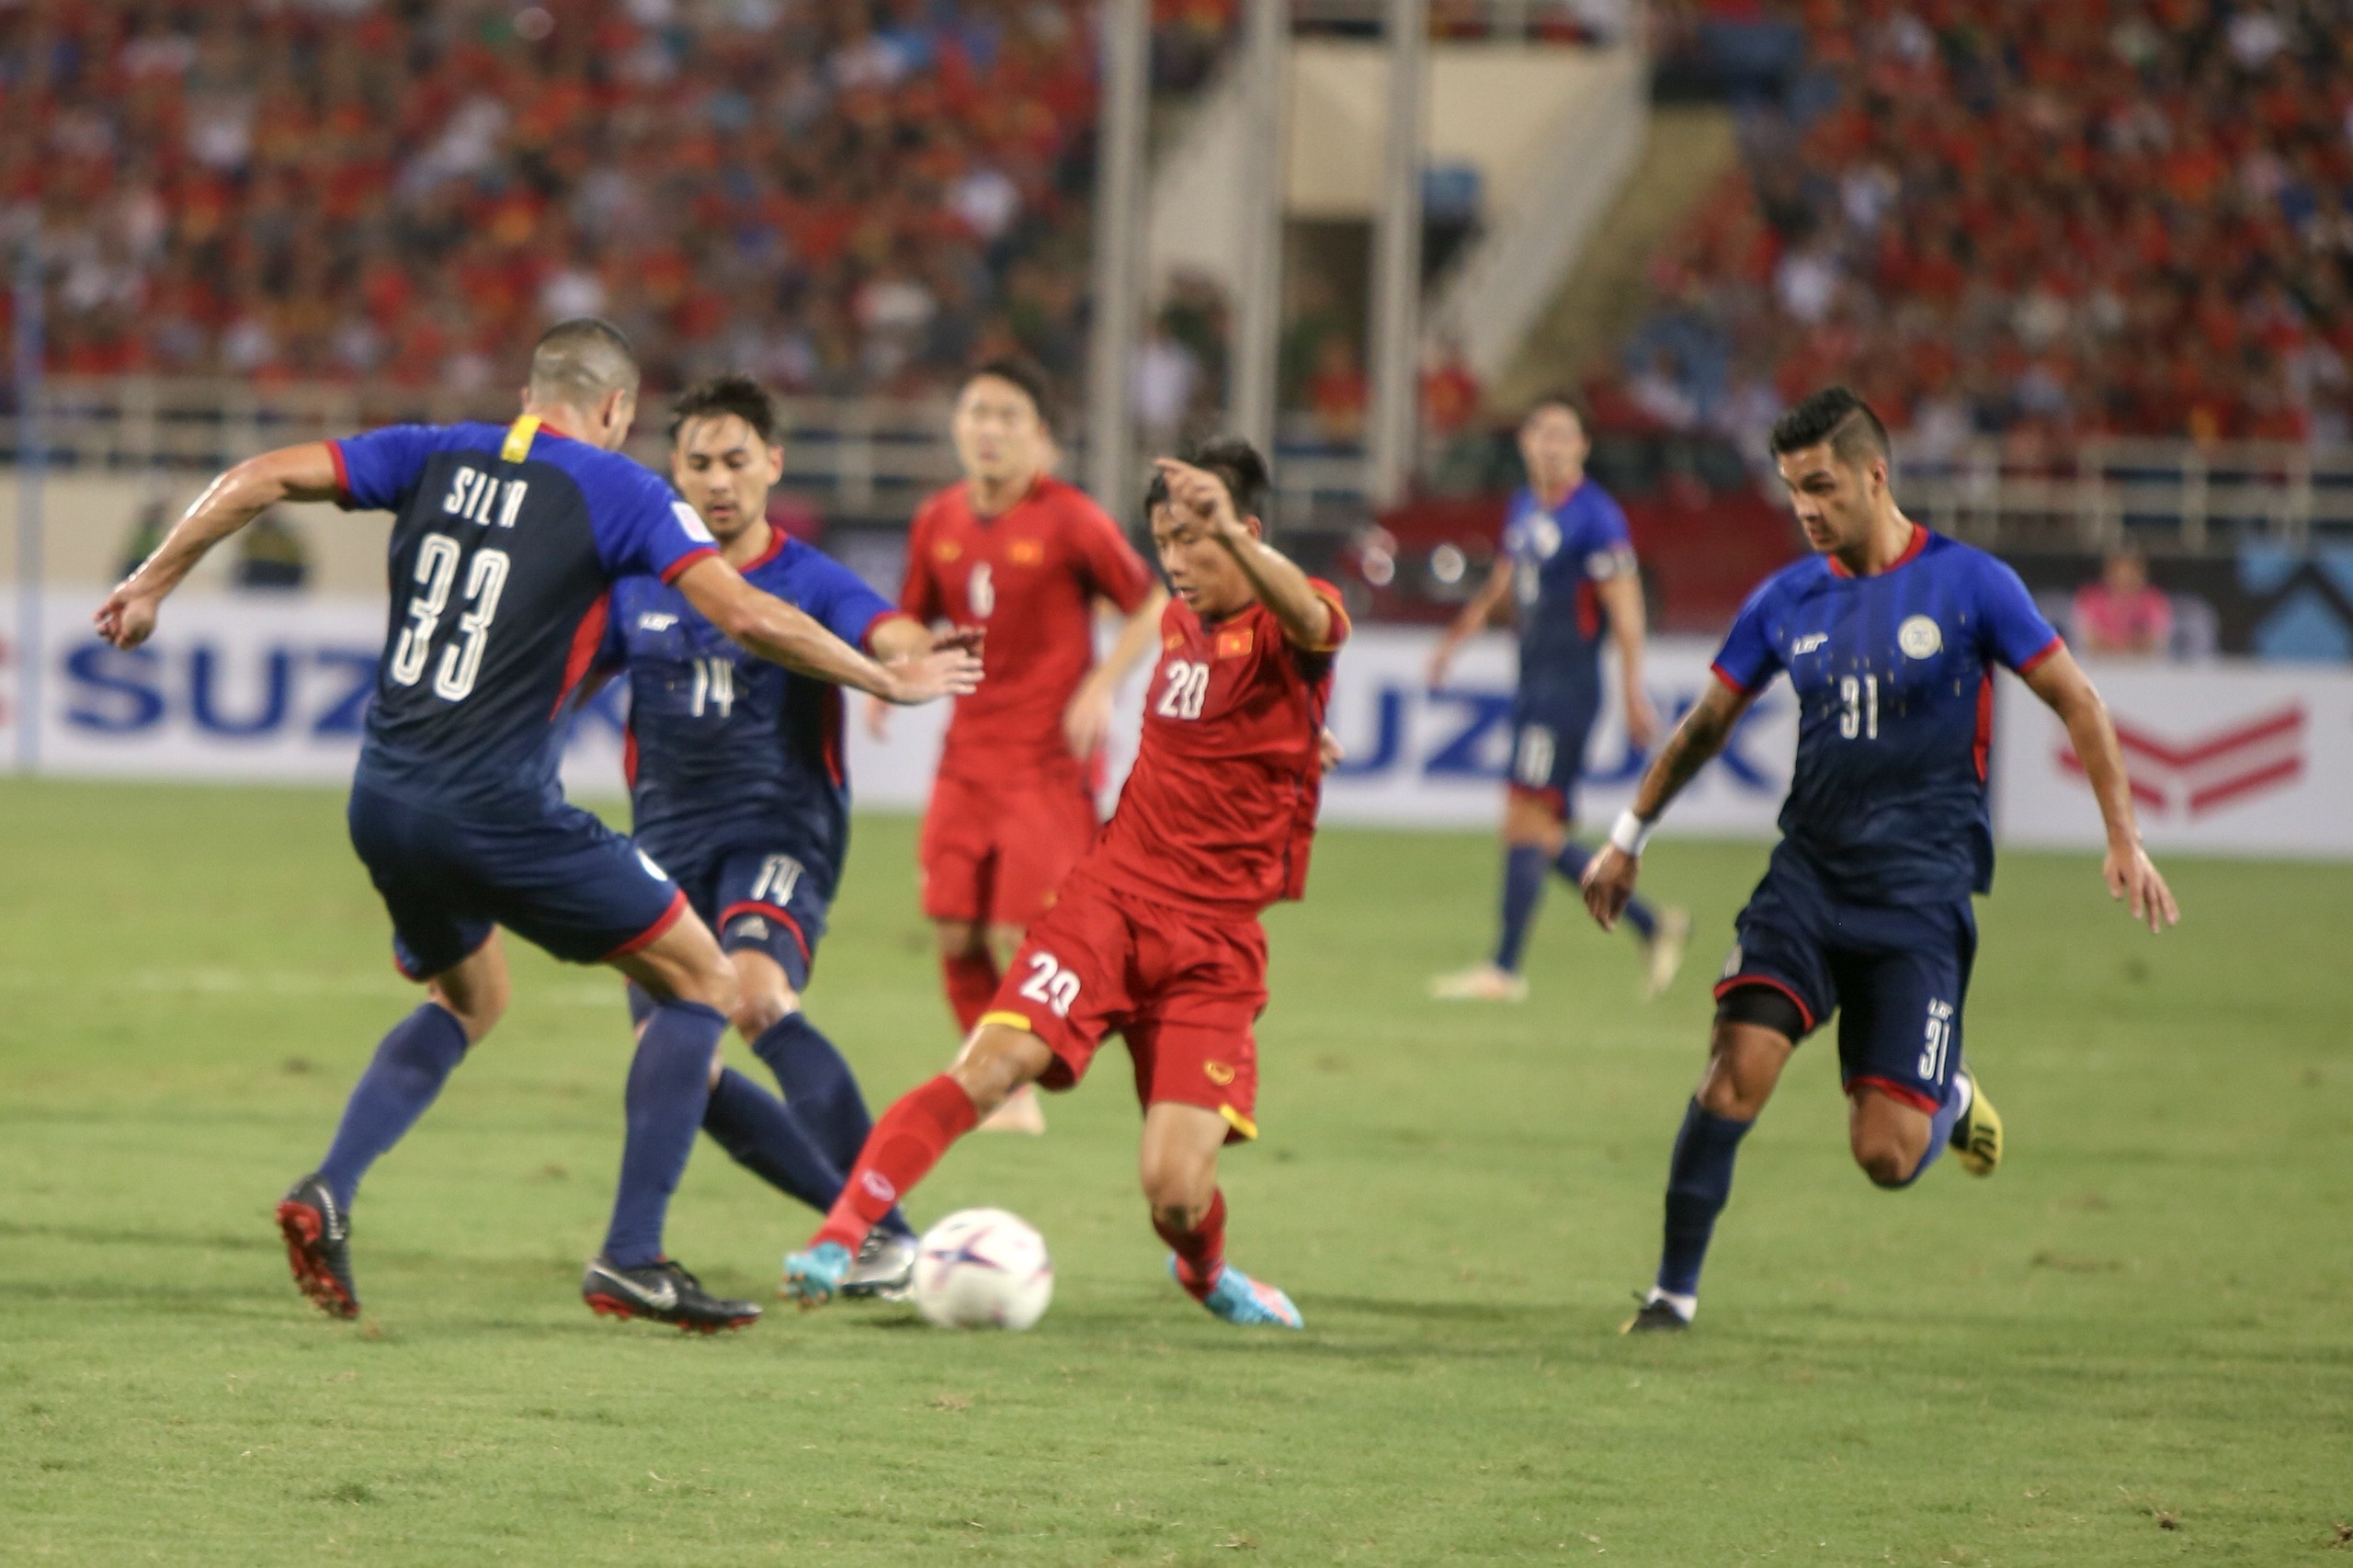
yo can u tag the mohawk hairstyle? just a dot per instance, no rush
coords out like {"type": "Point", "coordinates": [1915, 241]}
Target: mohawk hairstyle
{"type": "Point", "coordinates": [576, 362]}
{"type": "Point", "coordinates": [1238, 467]}
{"type": "Point", "coordinates": [1025, 375]}
{"type": "Point", "coordinates": [1837, 415]}
{"type": "Point", "coordinates": [722, 395]}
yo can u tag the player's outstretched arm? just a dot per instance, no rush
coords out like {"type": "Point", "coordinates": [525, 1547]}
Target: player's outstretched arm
{"type": "Point", "coordinates": [1622, 595]}
{"type": "Point", "coordinates": [1086, 723]}
{"type": "Point", "coordinates": [1473, 620]}
{"type": "Point", "coordinates": [235, 498]}
{"type": "Point", "coordinates": [1610, 879]}
{"type": "Point", "coordinates": [783, 635]}
{"type": "Point", "coordinates": [1304, 615]}
{"type": "Point", "coordinates": [2068, 692]}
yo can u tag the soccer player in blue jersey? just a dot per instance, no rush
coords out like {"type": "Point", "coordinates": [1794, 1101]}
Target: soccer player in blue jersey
{"type": "Point", "coordinates": [1890, 635]}
{"type": "Point", "coordinates": [737, 787]}
{"type": "Point", "coordinates": [505, 541]}
{"type": "Point", "coordinates": [1567, 564]}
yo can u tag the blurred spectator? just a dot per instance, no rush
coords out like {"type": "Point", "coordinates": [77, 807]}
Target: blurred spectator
{"type": "Point", "coordinates": [1337, 393]}
{"type": "Point", "coordinates": [850, 196]}
{"type": "Point", "coordinates": [1450, 392]}
{"type": "Point", "coordinates": [2107, 216]}
{"type": "Point", "coordinates": [272, 556]}
{"type": "Point", "coordinates": [2123, 614]}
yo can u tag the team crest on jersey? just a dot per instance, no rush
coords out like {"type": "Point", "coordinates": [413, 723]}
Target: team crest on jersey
{"type": "Point", "coordinates": [1026, 552]}
{"type": "Point", "coordinates": [1217, 1073]}
{"type": "Point", "coordinates": [947, 549]}
{"type": "Point", "coordinates": [1171, 642]}
{"type": "Point", "coordinates": [1919, 637]}
{"type": "Point", "coordinates": [1233, 644]}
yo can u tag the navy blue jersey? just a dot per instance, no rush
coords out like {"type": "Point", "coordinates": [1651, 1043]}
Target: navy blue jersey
{"type": "Point", "coordinates": [727, 751]}
{"type": "Point", "coordinates": [1558, 555]}
{"type": "Point", "coordinates": [504, 542]}
{"type": "Point", "coordinates": [1894, 682]}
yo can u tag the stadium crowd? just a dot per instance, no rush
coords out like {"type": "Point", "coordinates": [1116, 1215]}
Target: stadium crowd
{"type": "Point", "coordinates": [2129, 216]}
{"type": "Point", "coordinates": [841, 195]}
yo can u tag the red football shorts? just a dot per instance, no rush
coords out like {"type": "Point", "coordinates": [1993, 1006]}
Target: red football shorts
{"type": "Point", "coordinates": [995, 852]}
{"type": "Point", "coordinates": [1184, 989]}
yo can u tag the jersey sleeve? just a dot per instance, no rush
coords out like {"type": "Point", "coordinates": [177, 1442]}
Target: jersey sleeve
{"type": "Point", "coordinates": [643, 526]}
{"type": "Point", "coordinates": [1746, 661]}
{"type": "Point", "coordinates": [2014, 632]}
{"type": "Point", "coordinates": [1113, 568]}
{"type": "Point", "coordinates": [919, 592]}
{"type": "Point", "coordinates": [373, 471]}
{"type": "Point", "coordinates": [1604, 548]}
{"type": "Point", "coordinates": [839, 597]}
{"type": "Point", "coordinates": [1338, 631]}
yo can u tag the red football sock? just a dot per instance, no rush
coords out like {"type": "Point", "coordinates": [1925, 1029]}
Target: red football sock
{"type": "Point", "coordinates": [902, 1150]}
{"type": "Point", "coordinates": [970, 982]}
{"type": "Point", "coordinates": [1200, 1252]}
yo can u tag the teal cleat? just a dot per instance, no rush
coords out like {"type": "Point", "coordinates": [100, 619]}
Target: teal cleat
{"type": "Point", "coordinates": [1238, 1299]}
{"type": "Point", "coordinates": [814, 1278]}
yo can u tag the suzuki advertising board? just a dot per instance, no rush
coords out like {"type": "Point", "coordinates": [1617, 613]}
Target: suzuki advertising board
{"type": "Point", "coordinates": [2255, 759]}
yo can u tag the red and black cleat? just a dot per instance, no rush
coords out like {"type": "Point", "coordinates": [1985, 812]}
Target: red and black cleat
{"type": "Point", "coordinates": [318, 1246]}
{"type": "Point", "coordinates": [663, 1292]}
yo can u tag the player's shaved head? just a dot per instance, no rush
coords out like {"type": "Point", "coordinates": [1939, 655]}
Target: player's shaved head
{"type": "Point", "coordinates": [1837, 415]}
{"type": "Point", "coordinates": [577, 363]}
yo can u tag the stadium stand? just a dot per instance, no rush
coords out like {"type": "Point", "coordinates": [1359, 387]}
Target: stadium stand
{"type": "Point", "coordinates": [1932, 203]}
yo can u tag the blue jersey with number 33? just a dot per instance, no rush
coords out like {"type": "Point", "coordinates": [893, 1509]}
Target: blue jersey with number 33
{"type": "Point", "coordinates": [1894, 679]}
{"type": "Point", "coordinates": [505, 540]}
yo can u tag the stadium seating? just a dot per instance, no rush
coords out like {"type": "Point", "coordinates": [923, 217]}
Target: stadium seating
{"type": "Point", "coordinates": [1935, 217]}
{"type": "Point", "coordinates": [846, 197]}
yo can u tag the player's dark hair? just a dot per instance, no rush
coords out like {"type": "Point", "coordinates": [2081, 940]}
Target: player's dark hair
{"type": "Point", "coordinates": [576, 362]}
{"type": "Point", "coordinates": [722, 395]}
{"type": "Point", "coordinates": [1560, 397]}
{"type": "Point", "coordinates": [1837, 415]}
{"type": "Point", "coordinates": [1238, 467]}
{"type": "Point", "coordinates": [1023, 374]}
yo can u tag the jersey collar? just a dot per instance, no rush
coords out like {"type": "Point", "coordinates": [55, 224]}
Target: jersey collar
{"type": "Point", "coordinates": [1911, 553]}
{"type": "Point", "coordinates": [776, 537]}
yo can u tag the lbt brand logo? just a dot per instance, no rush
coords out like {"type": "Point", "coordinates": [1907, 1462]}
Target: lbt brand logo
{"type": "Point", "coordinates": [2195, 775]}
{"type": "Point", "coordinates": [1464, 733]}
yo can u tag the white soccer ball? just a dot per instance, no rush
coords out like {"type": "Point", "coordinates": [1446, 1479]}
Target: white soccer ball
{"type": "Point", "coordinates": [984, 1268]}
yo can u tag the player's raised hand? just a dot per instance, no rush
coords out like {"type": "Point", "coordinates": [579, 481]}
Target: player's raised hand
{"type": "Point", "coordinates": [1200, 494]}
{"type": "Point", "coordinates": [1609, 884]}
{"type": "Point", "coordinates": [2131, 874]}
{"type": "Point", "coordinates": [127, 619]}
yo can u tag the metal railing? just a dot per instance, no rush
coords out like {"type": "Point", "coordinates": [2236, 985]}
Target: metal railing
{"type": "Point", "coordinates": [874, 458]}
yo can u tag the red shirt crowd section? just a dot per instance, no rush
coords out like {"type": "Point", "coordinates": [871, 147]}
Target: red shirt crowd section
{"type": "Point", "coordinates": [2047, 221]}
{"type": "Point", "coordinates": [840, 195]}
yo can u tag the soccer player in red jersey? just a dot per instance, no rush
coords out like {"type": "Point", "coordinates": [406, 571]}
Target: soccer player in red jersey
{"type": "Point", "coordinates": [1028, 559]}
{"type": "Point", "coordinates": [1156, 934]}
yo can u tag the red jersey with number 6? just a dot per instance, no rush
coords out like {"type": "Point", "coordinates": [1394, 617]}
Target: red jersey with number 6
{"type": "Point", "coordinates": [1029, 577]}
{"type": "Point", "coordinates": [1220, 809]}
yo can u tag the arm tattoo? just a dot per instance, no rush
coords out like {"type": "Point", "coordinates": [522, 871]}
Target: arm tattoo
{"type": "Point", "coordinates": [1692, 748]}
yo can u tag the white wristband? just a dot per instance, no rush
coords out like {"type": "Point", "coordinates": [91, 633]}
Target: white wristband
{"type": "Point", "coordinates": [1629, 834]}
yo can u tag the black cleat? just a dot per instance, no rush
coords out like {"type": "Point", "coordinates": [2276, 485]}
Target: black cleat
{"type": "Point", "coordinates": [665, 1293]}
{"type": "Point", "coordinates": [1656, 1317]}
{"type": "Point", "coordinates": [884, 1269]}
{"type": "Point", "coordinates": [318, 1246]}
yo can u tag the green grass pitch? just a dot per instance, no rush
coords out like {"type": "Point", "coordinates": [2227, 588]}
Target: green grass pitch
{"type": "Point", "coordinates": [2132, 1346]}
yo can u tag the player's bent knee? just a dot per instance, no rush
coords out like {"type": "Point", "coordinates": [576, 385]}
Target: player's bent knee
{"type": "Point", "coordinates": [996, 1060]}
{"type": "Point", "coordinates": [960, 938]}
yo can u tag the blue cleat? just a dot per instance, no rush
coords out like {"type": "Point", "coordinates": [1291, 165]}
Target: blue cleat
{"type": "Point", "coordinates": [814, 1278]}
{"type": "Point", "coordinates": [1238, 1299]}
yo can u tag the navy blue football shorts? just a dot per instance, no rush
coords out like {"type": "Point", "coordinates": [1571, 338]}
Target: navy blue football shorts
{"type": "Point", "coordinates": [761, 901]}
{"type": "Point", "coordinates": [1895, 975]}
{"type": "Point", "coordinates": [1549, 730]}
{"type": "Point", "coordinates": [563, 881]}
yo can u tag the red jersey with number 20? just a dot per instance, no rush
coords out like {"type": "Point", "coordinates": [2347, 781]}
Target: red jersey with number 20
{"type": "Point", "coordinates": [1220, 809]}
{"type": "Point", "coordinates": [1029, 577]}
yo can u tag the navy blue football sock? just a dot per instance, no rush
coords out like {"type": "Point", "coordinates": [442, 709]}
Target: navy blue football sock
{"type": "Point", "coordinates": [1574, 858]}
{"type": "Point", "coordinates": [669, 1084]}
{"type": "Point", "coordinates": [1698, 1181]}
{"type": "Point", "coordinates": [768, 1139]}
{"type": "Point", "coordinates": [1523, 890]}
{"type": "Point", "coordinates": [1939, 1130]}
{"type": "Point", "coordinates": [410, 1066]}
{"type": "Point", "coordinates": [822, 1091]}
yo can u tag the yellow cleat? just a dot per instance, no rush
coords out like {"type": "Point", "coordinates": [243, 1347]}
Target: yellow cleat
{"type": "Point", "coordinates": [1977, 1136]}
